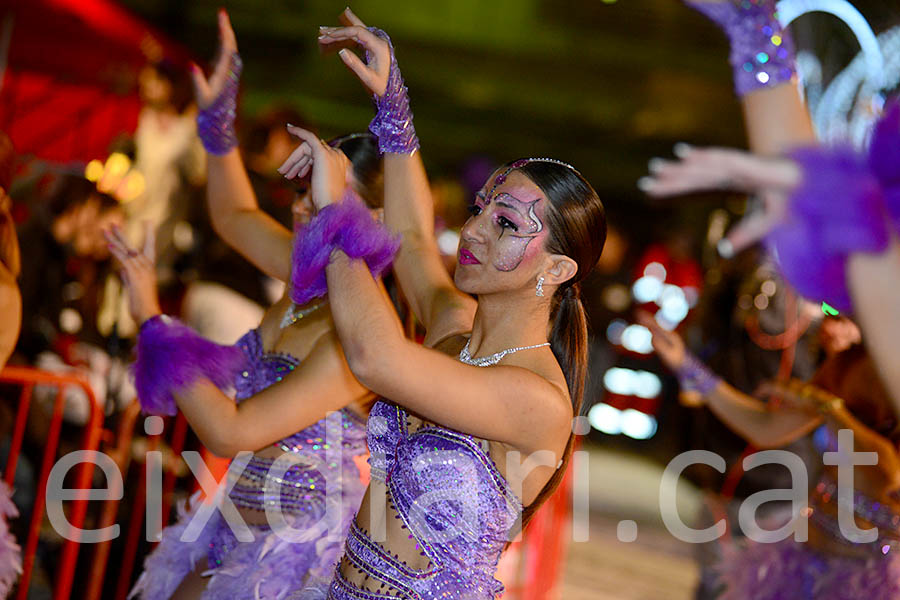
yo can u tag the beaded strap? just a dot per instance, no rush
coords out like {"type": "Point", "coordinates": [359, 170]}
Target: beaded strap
{"type": "Point", "coordinates": [215, 123]}
{"type": "Point", "coordinates": [393, 122]}
{"type": "Point", "coordinates": [762, 51]}
{"type": "Point", "coordinates": [693, 375]}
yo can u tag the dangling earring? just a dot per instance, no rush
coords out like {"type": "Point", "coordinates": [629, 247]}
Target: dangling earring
{"type": "Point", "coordinates": [539, 290]}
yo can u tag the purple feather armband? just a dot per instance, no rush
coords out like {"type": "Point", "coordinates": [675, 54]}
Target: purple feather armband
{"type": "Point", "coordinates": [171, 356]}
{"type": "Point", "coordinates": [393, 122]}
{"type": "Point", "coordinates": [846, 203]}
{"type": "Point", "coordinates": [347, 225]}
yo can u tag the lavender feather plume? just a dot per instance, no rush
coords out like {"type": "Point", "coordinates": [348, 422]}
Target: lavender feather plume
{"type": "Point", "coordinates": [841, 207]}
{"type": "Point", "coordinates": [171, 356]}
{"type": "Point", "coordinates": [347, 225]}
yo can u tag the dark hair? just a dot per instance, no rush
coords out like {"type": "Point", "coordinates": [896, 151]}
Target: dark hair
{"type": "Point", "coordinates": [576, 222]}
{"type": "Point", "coordinates": [362, 150]}
{"type": "Point", "coordinates": [852, 376]}
{"type": "Point", "coordinates": [182, 94]}
{"type": "Point", "coordinates": [73, 190]}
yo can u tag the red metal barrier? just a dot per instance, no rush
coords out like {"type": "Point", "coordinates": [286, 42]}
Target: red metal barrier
{"type": "Point", "coordinates": [28, 378]}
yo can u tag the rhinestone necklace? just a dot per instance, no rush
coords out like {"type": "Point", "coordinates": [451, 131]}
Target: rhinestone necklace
{"type": "Point", "coordinates": [493, 359]}
{"type": "Point", "coordinates": [294, 314]}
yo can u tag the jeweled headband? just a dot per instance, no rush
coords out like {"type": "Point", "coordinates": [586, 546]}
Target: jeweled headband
{"type": "Point", "coordinates": [521, 163]}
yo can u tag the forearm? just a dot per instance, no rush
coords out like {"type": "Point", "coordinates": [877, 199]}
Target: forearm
{"type": "Point", "coordinates": [213, 416]}
{"type": "Point", "coordinates": [366, 325]}
{"type": "Point", "coordinates": [755, 421]}
{"type": "Point", "coordinates": [873, 280]}
{"type": "Point", "coordinates": [237, 218]}
{"type": "Point", "coordinates": [777, 120]}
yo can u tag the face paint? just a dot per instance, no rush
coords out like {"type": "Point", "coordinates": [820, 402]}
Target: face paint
{"type": "Point", "coordinates": [519, 224]}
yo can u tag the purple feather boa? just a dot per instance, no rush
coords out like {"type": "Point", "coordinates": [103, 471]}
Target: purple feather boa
{"type": "Point", "coordinates": [347, 225]}
{"type": "Point", "coordinates": [10, 552]}
{"type": "Point", "coordinates": [171, 356]}
{"type": "Point", "coordinates": [841, 207]}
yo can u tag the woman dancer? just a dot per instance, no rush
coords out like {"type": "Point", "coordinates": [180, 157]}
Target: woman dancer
{"type": "Point", "coordinates": [289, 373]}
{"type": "Point", "coordinates": [844, 394]}
{"type": "Point", "coordinates": [488, 387]}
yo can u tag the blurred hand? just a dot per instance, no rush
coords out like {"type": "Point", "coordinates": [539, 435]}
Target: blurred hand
{"type": "Point", "coordinates": [138, 272]}
{"type": "Point", "coordinates": [668, 345]}
{"type": "Point", "coordinates": [374, 74]}
{"type": "Point", "coordinates": [206, 91]}
{"type": "Point", "coordinates": [330, 167]}
{"type": "Point", "coordinates": [706, 169]}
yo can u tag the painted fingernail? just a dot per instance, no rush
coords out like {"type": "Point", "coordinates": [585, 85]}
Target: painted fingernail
{"type": "Point", "coordinates": [655, 164]}
{"type": "Point", "coordinates": [645, 184]}
{"type": "Point", "coordinates": [681, 149]}
{"type": "Point", "coordinates": [342, 52]}
{"type": "Point", "coordinates": [725, 248]}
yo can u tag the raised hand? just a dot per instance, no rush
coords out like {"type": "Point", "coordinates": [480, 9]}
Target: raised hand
{"type": "Point", "coordinates": [138, 271]}
{"type": "Point", "coordinates": [706, 169]}
{"type": "Point", "coordinates": [330, 167]}
{"type": "Point", "coordinates": [217, 97]}
{"type": "Point", "coordinates": [207, 90]}
{"type": "Point", "coordinates": [374, 72]}
{"type": "Point", "coordinates": [668, 345]}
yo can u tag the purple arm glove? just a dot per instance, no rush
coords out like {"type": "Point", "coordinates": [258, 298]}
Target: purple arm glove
{"type": "Point", "coordinates": [393, 122]}
{"type": "Point", "coordinates": [215, 123]}
{"type": "Point", "coordinates": [762, 51]}
{"type": "Point", "coordinates": [694, 376]}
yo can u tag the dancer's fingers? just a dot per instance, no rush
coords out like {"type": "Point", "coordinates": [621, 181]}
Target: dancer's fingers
{"type": "Point", "coordinates": [149, 251]}
{"type": "Point", "coordinates": [302, 166]}
{"type": "Point", "coordinates": [356, 64]}
{"type": "Point", "coordinates": [349, 18]}
{"type": "Point", "coordinates": [226, 33]}
{"type": "Point", "coordinates": [316, 145]}
{"type": "Point", "coordinates": [747, 232]}
{"type": "Point", "coordinates": [202, 93]}
{"type": "Point", "coordinates": [298, 153]}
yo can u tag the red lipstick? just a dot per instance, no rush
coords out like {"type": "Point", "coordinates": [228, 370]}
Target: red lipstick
{"type": "Point", "coordinates": [467, 258]}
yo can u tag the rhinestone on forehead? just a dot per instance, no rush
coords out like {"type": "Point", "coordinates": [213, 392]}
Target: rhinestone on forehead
{"type": "Point", "coordinates": [501, 178]}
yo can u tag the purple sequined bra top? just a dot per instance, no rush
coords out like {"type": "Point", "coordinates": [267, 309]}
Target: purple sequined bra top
{"type": "Point", "coordinates": [456, 505]}
{"type": "Point", "coordinates": [302, 485]}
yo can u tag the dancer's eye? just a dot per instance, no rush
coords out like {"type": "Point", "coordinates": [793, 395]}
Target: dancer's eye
{"type": "Point", "coordinates": [507, 224]}
{"type": "Point", "coordinates": [474, 210]}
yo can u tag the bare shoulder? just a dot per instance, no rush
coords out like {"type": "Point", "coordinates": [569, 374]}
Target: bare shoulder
{"type": "Point", "coordinates": [542, 363]}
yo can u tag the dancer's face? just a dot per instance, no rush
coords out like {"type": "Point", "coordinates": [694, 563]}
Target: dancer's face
{"type": "Point", "coordinates": [302, 209]}
{"type": "Point", "coordinates": [502, 244]}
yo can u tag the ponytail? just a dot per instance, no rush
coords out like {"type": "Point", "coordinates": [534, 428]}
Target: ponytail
{"type": "Point", "coordinates": [576, 221]}
{"type": "Point", "coordinates": [569, 343]}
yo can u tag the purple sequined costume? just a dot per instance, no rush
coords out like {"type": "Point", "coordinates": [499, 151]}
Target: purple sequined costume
{"type": "Point", "coordinates": [456, 505]}
{"type": "Point", "coordinates": [788, 570]}
{"type": "Point", "coordinates": [270, 567]}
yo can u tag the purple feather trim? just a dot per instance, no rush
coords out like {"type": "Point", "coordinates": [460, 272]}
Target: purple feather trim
{"type": "Point", "coordinates": [347, 225]}
{"type": "Point", "coordinates": [884, 158]}
{"type": "Point", "coordinates": [838, 209]}
{"type": "Point", "coordinates": [10, 552]}
{"type": "Point", "coordinates": [171, 356]}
